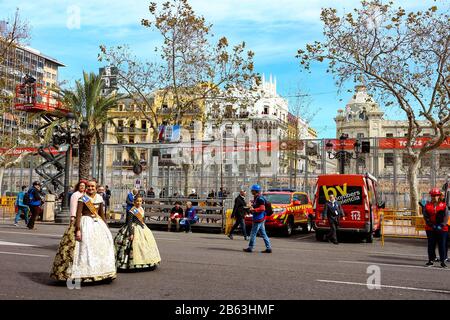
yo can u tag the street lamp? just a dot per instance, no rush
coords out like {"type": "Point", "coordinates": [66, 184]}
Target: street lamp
{"type": "Point", "coordinates": [71, 137]}
{"type": "Point", "coordinates": [343, 155]}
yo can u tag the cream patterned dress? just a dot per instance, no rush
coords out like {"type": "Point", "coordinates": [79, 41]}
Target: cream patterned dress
{"type": "Point", "coordinates": [94, 258]}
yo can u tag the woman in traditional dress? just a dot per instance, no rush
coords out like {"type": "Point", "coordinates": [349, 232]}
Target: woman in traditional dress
{"type": "Point", "coordinates": [135, 245]}
{"type": "Point", "coordinates": [93, 258]}
{"type": "Point", "coordinates": [64, 257]}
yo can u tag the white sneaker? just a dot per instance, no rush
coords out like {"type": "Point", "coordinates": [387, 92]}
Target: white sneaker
{"type": "Point", "coordinates": [16, 224]}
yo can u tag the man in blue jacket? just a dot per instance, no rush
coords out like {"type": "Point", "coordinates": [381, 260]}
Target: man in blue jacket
{"type": "Point", "coordinates": [258, 211]}
{"type": "Point", "coordinates": [21, 207]}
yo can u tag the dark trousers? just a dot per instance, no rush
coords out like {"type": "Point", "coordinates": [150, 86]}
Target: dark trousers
{"type": "Point", "coordinates": [440, 239]}
{"type": "Point", "coordinates": [188, 224]}
{"type": "Point", "coordinates": [35, 212]}
{"type": "Point", "coordinates": [332, 235]}
{"type": "Point", "coordinates": [239, 222]}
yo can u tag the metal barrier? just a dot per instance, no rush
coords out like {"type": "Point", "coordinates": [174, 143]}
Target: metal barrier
{"type": "Point", "coordinates": [211, 212]}
{"type": "Point", "coordinates": [7, 207]}
{"type": "Point", "coordinates": [402, 223]}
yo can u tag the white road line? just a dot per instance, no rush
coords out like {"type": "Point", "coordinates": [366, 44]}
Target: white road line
{"type": "Point", "coordinates": [400, 254]}
{"type": "Point", "coordinates": [5, 243]}
{"type": "Point", "coordinates": [31, 233]}
{"type": "Point", "coordinates": [25, 254]}
{"type": "Point", "coordinates": [386, 286]}
{"type": "Point", "coordinates": [392, 265]}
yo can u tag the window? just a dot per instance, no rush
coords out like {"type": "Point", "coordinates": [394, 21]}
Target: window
{"type": "Point", "coordinates": [444, 160]}
{"type": "Point", "coordinates": [426, 160]}
{"type": "Point", "coordinates": [300, 197]}
{"type": "Point", "coordinates": [388, 160]}
{"type": "Point", "coordinates": [266, 110]}
{"type": "Point", "coordinates": [119, 156]}
{"type": "Point", "coordinates": [131, 139]}
{"type": "Point", "coordinates": [389, 135]}
{"type": "Point", "coordinates": [144, 124]}
{"type": "Point", "coordinates": [360, 135]}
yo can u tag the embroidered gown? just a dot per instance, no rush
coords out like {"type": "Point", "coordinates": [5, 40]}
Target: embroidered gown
{"type": "Point", "coordinates": [140, 253]}
{"type": "Point", "coordinates": [62, 264]}
{"type": "Point", "coordinates": [94, 255]}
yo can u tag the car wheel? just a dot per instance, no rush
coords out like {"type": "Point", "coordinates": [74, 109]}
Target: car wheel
{"type": "Point", "coordinates": [369, 237]}
{"type": "Point", "coordinates": [306, 228]}
{"type": "Point", "coordinates": [289, 229]}
{"type": "Point", "coordinates": [319, 235]}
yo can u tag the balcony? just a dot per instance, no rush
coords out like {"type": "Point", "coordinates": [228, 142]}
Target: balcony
{"type": "Point", "coordinates": [127, 130]}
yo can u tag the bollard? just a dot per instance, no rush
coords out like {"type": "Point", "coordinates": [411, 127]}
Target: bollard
{"type": "Point", "coordinates": [49, 208]}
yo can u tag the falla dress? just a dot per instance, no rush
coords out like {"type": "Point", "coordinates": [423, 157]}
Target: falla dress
{"type": "Point", "coordinates": [142, 252]}
{"type": "Point", "coordinates": [62, 263]}
{"type": "Point", "coordinates": [93, 258]}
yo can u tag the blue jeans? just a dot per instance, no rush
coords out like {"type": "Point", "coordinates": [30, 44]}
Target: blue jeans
{"type": "Point", "coordinates": [258, 226]}
{"type": "Point", "coordinates": [21, 210]}
{"type": "Point", "coordinates": [188, 224]}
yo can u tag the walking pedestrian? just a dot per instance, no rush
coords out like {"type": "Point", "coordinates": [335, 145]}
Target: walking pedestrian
{"type": "Point", "coordinates": [94, 256]}
{"type": "Point", "coordinates": [62, 263]}
{"type": "Point", "coordinates": [436, 228]}
{"type": "Point", "coordinates": [333, 212]}
{"type": "Point", "coordinates": [108, 198]}
{"type": "Point", "coordinates": [33, 199]}
{"type": "Point", "coordinates": [258, 211]}
{"type": "Point", "coordinates": [151, 193]}
{"type": "Point", "coordinates": [134, 244]}
{"type": "Point", "coordinates": [21, 208]}
{"type": "Point", "coordinates": [239, 210]}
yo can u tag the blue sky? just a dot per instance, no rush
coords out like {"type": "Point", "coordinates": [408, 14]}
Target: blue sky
{"type": "Point", "coordinates": [273, 29]}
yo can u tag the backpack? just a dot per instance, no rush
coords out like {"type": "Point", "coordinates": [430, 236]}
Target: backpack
{"type": "Point", "coordinates": [268, 205]}
{"type": "Point", "coordinates": [27, 198]}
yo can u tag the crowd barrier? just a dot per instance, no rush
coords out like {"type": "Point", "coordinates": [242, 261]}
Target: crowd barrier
{"type": "Point", "coordinates": [7, 207]}
{"type": "Point", "coordinates": [402, 223]}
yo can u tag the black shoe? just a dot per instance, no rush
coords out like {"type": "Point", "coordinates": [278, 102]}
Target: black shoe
{"type": "Point", "coordinates": [267, 251]}
{"type": "Point", "coordinates": [429, 264]}
{"type": "Point", "coordinates": [247, 250]}
{"type": "Point", "coordinates": [443, 265]}
{"type": "Point", "coordinates": [245, 238]}
{"type": "Point", "coordinates": [335, 242]}
{"type": "Point", "coordinates": [230, 236]}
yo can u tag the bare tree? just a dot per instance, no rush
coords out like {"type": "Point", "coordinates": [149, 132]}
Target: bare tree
{"type": "Point", "coordinates": [14, 32]}
{"type": "Point", "coordinates": [402, 56]}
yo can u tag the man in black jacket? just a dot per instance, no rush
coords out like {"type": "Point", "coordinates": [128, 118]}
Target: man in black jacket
{"type": "Point", "coordinates": [333, 212]}
{"type": "Point", "coordinates": [239, 210]}
{"type": "Point", "coordinates": [35, 203]}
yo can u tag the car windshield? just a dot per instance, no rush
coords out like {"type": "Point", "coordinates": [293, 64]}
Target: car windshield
{"type": "Point", "coordinates": [277, 198]}
{"type": "Point", "coordinates": [345, 195]}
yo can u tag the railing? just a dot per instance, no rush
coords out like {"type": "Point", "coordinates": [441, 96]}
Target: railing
{"type": "Point", "coordinates": [211, 212]}
{"type": "Point", "coordinates": [402, 224]}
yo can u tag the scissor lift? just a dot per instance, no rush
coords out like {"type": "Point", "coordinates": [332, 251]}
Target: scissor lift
{"type": "Point", "coordinates": [33, 97]}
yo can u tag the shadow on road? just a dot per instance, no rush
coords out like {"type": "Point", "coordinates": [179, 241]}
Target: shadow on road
{"type": "Point", "coordinates": [42, 278]}
{"type": "Point", "coordinates": [224, 249]}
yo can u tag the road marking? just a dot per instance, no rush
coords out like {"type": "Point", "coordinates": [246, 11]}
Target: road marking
{"type": "Point", "coordinates": [5, 243]}
{"type": "Point", "coordinates": [31, 233]}
{"type": "Point", "coordinates": [392, 265]}
{"type": "Point", "coordinates": [400, 254]}
{"type": "Point", "coordinates": [25, 254]}
{"type": "Point", "coordinates": [386, 286]}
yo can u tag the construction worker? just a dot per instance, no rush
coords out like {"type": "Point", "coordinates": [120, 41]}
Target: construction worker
{"type": "Point", "coordinates": [436, 219]}
{"type": "Point", "coordinates": [258, 210]}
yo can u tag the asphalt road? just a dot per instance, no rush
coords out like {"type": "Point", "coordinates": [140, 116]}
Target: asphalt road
{"type": "Point", "coordinates": [210, 266]}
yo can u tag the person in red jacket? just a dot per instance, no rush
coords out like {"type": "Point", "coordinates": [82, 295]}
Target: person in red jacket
{"type": "Point", "coordinates": [436, 218]}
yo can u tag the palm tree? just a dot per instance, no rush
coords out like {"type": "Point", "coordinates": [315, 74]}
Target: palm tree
{"type": "Point", "coordinates": [90, 108]}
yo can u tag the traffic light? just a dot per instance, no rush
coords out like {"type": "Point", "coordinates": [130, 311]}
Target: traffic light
{"type": "Point", "coordinates": [365, 147]}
